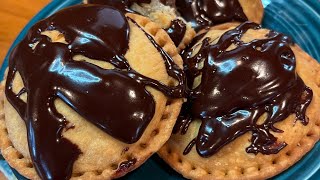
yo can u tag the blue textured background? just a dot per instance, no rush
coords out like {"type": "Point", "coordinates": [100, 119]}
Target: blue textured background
{"type": "Point", "coordinates": [298, 18]}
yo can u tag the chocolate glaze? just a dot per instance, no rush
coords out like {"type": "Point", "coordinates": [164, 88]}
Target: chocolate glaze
{"type": "Point", "coordinates": [204, 13]}
{"type": "Point", "coordinates": [238, 86]}
{"type": "Point", "coordinates": [200, 13]}
{"type": "Point", "coordinates": [108, 98]}
{"type": "Point", "coordinates": [177, 31]}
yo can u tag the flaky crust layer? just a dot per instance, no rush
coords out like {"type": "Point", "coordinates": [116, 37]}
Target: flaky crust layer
{"type": "Point", "coordinates": [232, 161]}
{"type": "Point", "coordinates": [102, 154]}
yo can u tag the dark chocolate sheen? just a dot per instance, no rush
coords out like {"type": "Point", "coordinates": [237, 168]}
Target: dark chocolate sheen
{"type": "Point", "coordinates": [238, 86]}
{"type": "Point", "coordinates": [205, 13]}
{"type": "Point", "coordinates": [114, 100]}
{"type": "Point", "coordinates": [200, 13]}
{"type": "Point", "coordinates": [177, 31]}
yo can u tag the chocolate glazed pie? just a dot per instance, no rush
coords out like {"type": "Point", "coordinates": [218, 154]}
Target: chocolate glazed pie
{"type": "Point", "coordinates": [91, 92]}
{"type": "Point", "coordinates": [181, 17]}
{"type": "Point", "coordinates": [253, 105]}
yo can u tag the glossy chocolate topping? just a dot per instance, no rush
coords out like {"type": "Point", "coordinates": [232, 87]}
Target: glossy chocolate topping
{"type": "Point", "coordinates": [238, 86]}
{"type": "Point", "coordinates": [177, 31]}
{"type": "Point", "coordinates": [200, 13]}
{"type": "Point", "coordinates": [115, 100]}
{"type": "Point", "coordinates": [204, 13]}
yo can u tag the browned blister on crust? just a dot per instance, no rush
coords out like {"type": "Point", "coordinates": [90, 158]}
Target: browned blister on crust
{"type": "Point", "coordinates": [103, 157]}
{"type": "Point", "coordinates": [232, 161]}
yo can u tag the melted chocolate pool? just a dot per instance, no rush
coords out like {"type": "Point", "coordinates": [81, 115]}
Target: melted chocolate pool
{"type": "Point", "coordinates": [238, 86]}
{"type": "Point", "coordinates": [115, 100]}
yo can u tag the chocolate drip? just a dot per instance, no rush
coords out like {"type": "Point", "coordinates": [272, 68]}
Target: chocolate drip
{"type": "Point", "coordinates": [205, 13]}
{"type": "Point", "coordinates": [238, 86]}
{"type": "Point", "coordinates": [108, 98]}
{"type": "Point", "coordinates": [177, 31]}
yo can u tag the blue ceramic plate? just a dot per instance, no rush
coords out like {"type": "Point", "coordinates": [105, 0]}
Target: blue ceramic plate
{"type": "Point", "coordinates": [298, 18]}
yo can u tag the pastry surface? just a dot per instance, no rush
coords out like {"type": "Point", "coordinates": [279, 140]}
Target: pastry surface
{"type": "Point", "coordinates": [102, 156]}
{"type": "Point", "coordinates": [232, 161]}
